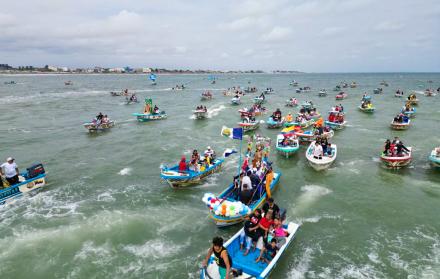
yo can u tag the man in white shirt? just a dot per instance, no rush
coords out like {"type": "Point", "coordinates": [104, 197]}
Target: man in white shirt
{"type": "Point", "coordinates": [317, 151]}
{"type": "Point", "coordinates": [10, 171]}
{"type": "Point", "coordinates": [246, 180]}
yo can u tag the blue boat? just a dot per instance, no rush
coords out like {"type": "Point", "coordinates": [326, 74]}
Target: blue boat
{"type": "Point", "coordinates": [148, 114]}
{"type": "Point", "coordinates": [272, 124]}
{"type": "Point", "coordinates": [366, 98]}
{"type": "Point", "coordinates": [410, 113]}
{"type": "Point", "coordinates": [290, 147]}
{"type": "Point", "coordinates": [227, 195]}
{"type": "Point", "coordinates": [246, 265]}
{"type": "Point", "coordinates": [33, 179]}
{"type": "Point", "coordinates": [181, 179]}
{"type": "Point", "coordinates": [435, 160]}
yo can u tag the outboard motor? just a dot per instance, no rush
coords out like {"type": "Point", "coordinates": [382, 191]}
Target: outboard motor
{"type": "Point", "coordinates": [35, 170]}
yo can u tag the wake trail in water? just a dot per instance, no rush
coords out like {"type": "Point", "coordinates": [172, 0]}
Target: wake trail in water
{"type": "Point", "coordinates": [125, 171]}
{"type": "Point", "coordinates": [310, 195]}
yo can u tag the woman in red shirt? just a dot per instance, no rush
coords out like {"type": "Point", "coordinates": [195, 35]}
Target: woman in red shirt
{"type": "Point", "coordinates": [264, 225]}
{"type": "Point", "coordinates": [182, 165]}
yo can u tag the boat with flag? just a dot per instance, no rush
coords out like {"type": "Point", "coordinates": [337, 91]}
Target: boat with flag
{"type": "Point", "coordinates": [237, 201]}
{"type": "Point", "coordinates": [153, 78]}
{"type": "Point", "coordinates": [287, 144]}
{"type": "Point", "coordinates": [245, 266]}
{"type": "Point", "coordinates": [187, 173]}
{"type": "Point", "coordinates": [33, 179]}
{"type": "Point", "coordinates": [150, 113]}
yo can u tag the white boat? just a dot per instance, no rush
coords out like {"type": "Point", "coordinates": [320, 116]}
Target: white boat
{"type": "Point", "coordinates": [322, 93]}
{"type": "Point", "coordinates": [325, 161]}
{"type": "Point", "coordinates": [200, 113]}
{"type": "Point", "coordinates": [236, 101]}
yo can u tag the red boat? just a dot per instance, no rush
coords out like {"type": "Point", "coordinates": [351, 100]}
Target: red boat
{"type": "Point", "coordinates": [397, 161]}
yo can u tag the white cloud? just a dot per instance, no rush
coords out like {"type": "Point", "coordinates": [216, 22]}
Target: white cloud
{"type": "Point", "coordinates": [388, 26]}
{"type": "Point", "coordinates": [276, 34]}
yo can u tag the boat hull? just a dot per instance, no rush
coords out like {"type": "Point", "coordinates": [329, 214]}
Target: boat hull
{"type": "Point", "coordinates": [9, 194]}
{"type": "Point", "coordinates": [179, 180]}
{"type": "Point", "coordinates": [223, 221]}
{"type": "Point", "coordinates": [325, 162]}
{"type": "Point", "coordinates": [92, 128]}
{"type": "Point", "coordinates": [336, 126]}
{"type": "Point", "coordinates": [397, 162]}
{"type": "Point", "coordinates": [399, 126]}
{"type": "Point", "coordinates": [142, 117]}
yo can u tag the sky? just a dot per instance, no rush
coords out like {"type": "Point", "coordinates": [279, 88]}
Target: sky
{"type": "Point", "coordinates": [303, 35]}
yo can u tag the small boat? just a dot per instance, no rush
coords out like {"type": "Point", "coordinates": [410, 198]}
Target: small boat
{"type": "Point", "coordinates": [249, 126]}
{"type": "Point", "coordinates": [153, 77]}
{"type": "Point", "coordinates": [10, 82]}
{"type": "Point", "coordinates": [341, 96]}
{"type": "Point", "coordinates": [251, 90]}
{"type": "Point", "coordinates": [272, 124]}
{"type": "Point", "coordinates": [411, 113]}
{"type": "Point", "coordinates": [115, 94]}
{"type": "Point", "coordinates": [259, 100]}
{"type": "Point", "coordinates": [94, 127]}
{"type": "Point", "coordinates": [182, 179]}
{"type": "Point", "coordinates": [236, 101]}
{"type": "Point", "coordinates": [430, 93]}
{"type": "Point", "coordinates": [323, 162]}
{"type": "Point", "coordinates": [287, 144]}
{"type": "Point", "coordinates": [304, 89]}
{"type": "Point", "coordinates": [304, 123]}
{"type": "Point", "coordinates": [398, 94]}
{"type": "Point", "coordinates": [368, 108]}
{"type": "Point", "coordinates": [322, 93]}
{"type": "Point", "coordinates": [234, 91]}
{"type": "Point", "coordinates": [228, 198]}
{"type": "Point", "coordinates": [200, 113]}
{"type": "Point", "coordinates": [333, 122]}
{"type": "Point", "coordinates": [33, 179]}
{"type": "Point", "coordinates": [68, 82]}
{"type": "Point", "coordinates": [254, 111]}
{"type": "Point", "coordinates": [384, 83]}
{"type": "Point", "coordinates": [307, 105]}
{"type": "Point", "coordinates": [246, 265]}
{"type": "Point", "coordinates": [401, 125]}
{"type": "Point", "coordinates": [294, 83]}
{"type": "Point", "coordinates": [366, 98]}
{"type": "Point", "coordinates": [353, 84]}
{"type": "Point", "coordinates": [179, 87]}
{"type": "Point", "coordinates": [434, 157]}
{"type": "Point", "coordinates": [344, 85]}
{"type": "Point", "coordinates": [310, 135]}
{"type": "Point", "coordinates": [145, 117]}
{"type": "Point", "coordinates": [130, 101]}
{"type": "Point", "coordinates": [397, 161]}
{"type": "Point", "coordinates": [337, 88]}
{"type": "Point", "coordinates": [269, 91]}
{"type": "Point", "coordinates": [378, 91]}
{"type": "Point", "coordinates": [335, 125]}
{"type": "Point", "coordinates": [293, 102]}
{"type": "Point", "coordinates": [206, 96]}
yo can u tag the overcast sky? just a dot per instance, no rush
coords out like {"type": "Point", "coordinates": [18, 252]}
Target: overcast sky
{"type": "Point", "coordinates": [311, 36]}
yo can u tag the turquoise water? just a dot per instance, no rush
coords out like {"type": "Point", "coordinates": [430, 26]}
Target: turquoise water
{"type": "Point", "coordinates": [106, 214]}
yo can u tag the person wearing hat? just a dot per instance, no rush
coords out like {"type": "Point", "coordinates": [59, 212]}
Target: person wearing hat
{"type": "Point", "coordinates": [210, 152]}
{"type": "Point", "coordinates": [10, 171]}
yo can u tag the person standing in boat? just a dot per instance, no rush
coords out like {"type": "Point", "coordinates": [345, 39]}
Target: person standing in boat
{"type": "Point", "coordinates": [183, 167]}
{"type": "Point", "coordinates": [10, 170]}
{"type": "Point", "coordinates": [317, 151]}
{"type": "Point", "coordinates": [222, 257]}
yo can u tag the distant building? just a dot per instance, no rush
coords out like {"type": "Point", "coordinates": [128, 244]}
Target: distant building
{"type": "Point", "coordinates": [52, 68]}
{"type": "Point", "coordinates": [5, 67]}
{"type": "Point", "coordinates": [64, 69]}
{"type": "Point", "coordinates": [146, 70]}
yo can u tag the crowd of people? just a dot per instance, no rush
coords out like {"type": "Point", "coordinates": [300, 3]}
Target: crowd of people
{"type": "Point", "coordinates": [395, 148]}
{"type": "Point", "coordinates": [401, 118]}
{"type": "Point", "coordinates": [265, 224]}
{"type": "Point", "coordinates": [197, 162]}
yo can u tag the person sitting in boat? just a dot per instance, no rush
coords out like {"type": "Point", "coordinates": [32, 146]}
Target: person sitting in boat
{"type": "Point", "coordinates": [10, 171]}
{"type": "Point", "coordinates": [156, 110]}
{"type": "Point", "coordinates": [265, 225]}
{"type": "Point", "coordinates": [99, 116]}
{"type": "Point", "coordinates": [210, 152]}
{"type": "Point", "coordinates": [277, 115]}
{"type": "Point", "coordinates": [249, 234]}
{"type": "Point", "coordinates": [222, 257]}
{"type": "Point", "coordinates": [194, 163]}
{"type": "Point", "coordinates": [105, 119]}
{"type": "Point", "coordinates": [340, 118]}
{"type": "Point", "coordinates": [183, 167]}
{"type": "Point", "coordinates": [387, 148]}
{"type": "Point", "coordinates": [268, 252]}
{"type": "Point", "coordinates": [317, 151]}
{"type": "Point", "coordinates": [133, 98]}
{"type": "Point", "coordinates": [246, 192]}
{"type": "Point", "coordinates": [289, 117]}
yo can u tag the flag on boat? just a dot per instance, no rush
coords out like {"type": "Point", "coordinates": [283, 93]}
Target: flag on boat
{"type": "Point", "coordinates": [229, 152]}
{"type": "Point", "coordinates": [233, 133]}
{"type": "Point", "coordinates": [153, 77]}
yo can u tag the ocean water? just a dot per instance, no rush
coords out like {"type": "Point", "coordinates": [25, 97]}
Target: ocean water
{"type": "Point", "coordinates": [105, 213]}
